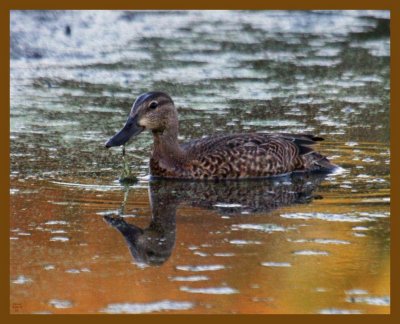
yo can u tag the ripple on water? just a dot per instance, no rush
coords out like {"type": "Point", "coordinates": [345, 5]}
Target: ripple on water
{"type": "Point", "coordinates": [224, 254]}
{"type": "Point", "coordinates": [89, 186]}
{"type": "Point", "coordinates": [377, 200]}
{"type": "Point", "coordinates": [375, 215]}
{"type": "Point", "coordinates": [272, 122]}
{"type": "Point", "coordinates": [61, 304]}
{"type": "Point", "coordinates": [226, 205]}
{"type": "Point", "coordinates": [276, 264]}
{"type": "Point", "coordinates": [73, 271]}
{"type": "Point", "coordinates": [59, 239]}
{"type": "Point", "coordinates": [196, 268]}
{"type": "Point", "coordinates": [56, 222]}
{"type": "Point", "coordinates": [244, 242]}
{"type": "Point", "coordinates": [138, 308]}
{"type": "Point", "coordinates": [76, 271]}
{"type": "Point", "coordinates": [329, 217]}
{"type": "Point", "coordinates": [210, 290]}
{"type": "Point", "coordinates": [339, 311]}
{"type": "Point", "coordinates": [360, 228]}
{"type": "Point", "coordinates": [190, 278]}
{"type": "Point", "coordinates": [267, 228]}
{"type": "Point", "coordinates": [370, 300]}
{"type": "Point", "coordinates": [359, 234]}
{"type": "Point", "coordinates": [24, 234]}
{"type": "Point", "coordinates": [320, 241]}
{"type": "Point", "coordinates": [57, 232]}
{"type": "Point", "coordinates": [351, 144]}
{"type": "Point", "coordinates": [21, 280]}
{"type": "Point", "coordinates": [356, 292]}
{"type": "Point", "coordinates": [310, 252]}
{"type": "Point", "coordinates": [112, 212]}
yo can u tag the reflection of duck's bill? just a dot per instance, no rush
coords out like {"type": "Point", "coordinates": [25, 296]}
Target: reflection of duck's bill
{"type": "Point", "coordinates": [126, 229]}
{"type": "Point", "coordinates": [130, 129]}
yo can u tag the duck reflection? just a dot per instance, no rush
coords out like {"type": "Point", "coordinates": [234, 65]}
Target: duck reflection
{"type": "Point", "coordinates": [154, 244]}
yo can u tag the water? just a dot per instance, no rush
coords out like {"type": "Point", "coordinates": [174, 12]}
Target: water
{"type": "Point", "coordinates": [82, 243]}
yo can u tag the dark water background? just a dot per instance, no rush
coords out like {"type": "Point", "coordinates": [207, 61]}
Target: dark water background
{"type": "Point", "coordinates": [264, 247]}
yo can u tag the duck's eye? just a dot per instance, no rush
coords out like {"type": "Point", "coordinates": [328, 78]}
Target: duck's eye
{"type": "Point", "coordinates": [153, 104]}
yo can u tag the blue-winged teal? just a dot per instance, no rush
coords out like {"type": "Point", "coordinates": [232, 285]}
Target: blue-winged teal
{"type": "Point", "coordinates": [232, 156]}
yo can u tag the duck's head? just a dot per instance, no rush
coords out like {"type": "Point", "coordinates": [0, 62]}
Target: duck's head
{"type": "Point", "coordinates": [151, 110]}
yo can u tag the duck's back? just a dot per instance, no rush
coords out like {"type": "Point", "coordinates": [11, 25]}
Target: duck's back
{"type": "Point", "coordinates": [249, 156]}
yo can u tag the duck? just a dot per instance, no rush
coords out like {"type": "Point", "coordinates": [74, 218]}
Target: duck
{"type": "Point", "coordinates": [220, 156]}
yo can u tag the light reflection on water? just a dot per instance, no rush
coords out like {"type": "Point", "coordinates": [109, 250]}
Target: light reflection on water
{"type": "Point", "coordinates": [255, 247]}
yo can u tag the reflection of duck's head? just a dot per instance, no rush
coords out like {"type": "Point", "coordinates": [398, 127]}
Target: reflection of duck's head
{"type": "Point", "coordinates": [154, 111]}
{"type": "Point", "coordinates": [152, 245]}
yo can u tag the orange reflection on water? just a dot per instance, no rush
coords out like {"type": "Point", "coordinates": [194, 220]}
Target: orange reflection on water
{"type": "Point", "coordinates": [68, 256]}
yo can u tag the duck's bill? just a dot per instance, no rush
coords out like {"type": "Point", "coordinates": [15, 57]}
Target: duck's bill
{"type": "Point", "coordinates": [130, 129]}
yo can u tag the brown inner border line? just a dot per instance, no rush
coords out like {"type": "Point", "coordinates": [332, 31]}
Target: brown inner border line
{"type": "Point", "coordinates": [6, 6]}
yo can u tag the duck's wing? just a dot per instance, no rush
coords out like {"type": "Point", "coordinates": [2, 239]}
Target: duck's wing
{"type": "Point", "coordinates": [302, 142]}
{"type": "Point", "coordinates": [254, 154]}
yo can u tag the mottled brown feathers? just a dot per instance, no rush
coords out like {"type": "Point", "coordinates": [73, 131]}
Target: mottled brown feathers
{"type": "Point", "coordinates": [245, 156]}
{"type": "Point", "coordinates": [220, 156]}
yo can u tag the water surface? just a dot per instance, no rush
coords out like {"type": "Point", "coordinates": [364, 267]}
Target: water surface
{"type": "Point", "coordinates": [80, 242]}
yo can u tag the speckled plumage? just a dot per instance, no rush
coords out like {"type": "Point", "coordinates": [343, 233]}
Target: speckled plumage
{"type": "Point", "coordinates": [250, 155]}
{"type": "Point", "coordinates": [235, 156]}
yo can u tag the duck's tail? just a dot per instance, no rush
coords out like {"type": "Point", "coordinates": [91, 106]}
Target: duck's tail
{"type": "Point", "coordinates": [309, 160]}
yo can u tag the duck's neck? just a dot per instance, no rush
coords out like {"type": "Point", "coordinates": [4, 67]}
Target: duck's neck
{"type": "Point", "coordinates": [166, 147]}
